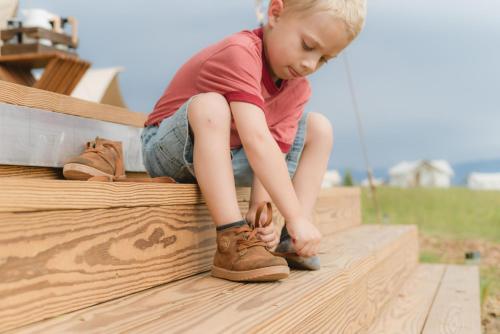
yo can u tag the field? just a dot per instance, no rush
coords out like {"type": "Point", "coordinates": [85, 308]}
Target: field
{"type": "Point", "coordinates": [451, 222]}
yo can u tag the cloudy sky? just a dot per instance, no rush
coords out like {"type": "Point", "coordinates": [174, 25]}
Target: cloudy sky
{"type": "Point", "coordinates": [425, 72]}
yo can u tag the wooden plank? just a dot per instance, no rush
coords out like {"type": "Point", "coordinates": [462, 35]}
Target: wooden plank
{"type": "Point", "coordinates": [16, 49]}
{"type": "Point", "coordinates": [36, 98]}
{"type": "Point", "coordinates": [456, 308]}
{"type": "Point", "coordinates": [45, 173]}
{"type": "Point", "coordinates": [45, 195]}
{"type": "Point", "coordinates": [79, 71]}
{"type": "Point", "coordinates": [54, 262]}
{"type": "Point", "coordinates": [408, 311]}
{"type": "Point", "coordinates": [38, 33]}
{"type": "Point", "coordinates": [27, 172]}
{"type": "Point", "coordinates": [202, 303]}
{"type": "Point", "coordinates": [338, 209]}
{"type": "Point", "coordinates": [17, 74]}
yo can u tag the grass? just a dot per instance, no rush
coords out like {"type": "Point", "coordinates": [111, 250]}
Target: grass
{"type": "Point", "coordinates": [456, 213]}
{"type": "Point", "coordinates": [451, 214]}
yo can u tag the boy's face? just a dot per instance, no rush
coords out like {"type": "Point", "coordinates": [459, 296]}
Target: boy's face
{"type": "Point", "coordinates": [297, 45]}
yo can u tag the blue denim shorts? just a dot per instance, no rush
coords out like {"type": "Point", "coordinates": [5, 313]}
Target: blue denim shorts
{"type": "Point", "coordinates": [167, 150]}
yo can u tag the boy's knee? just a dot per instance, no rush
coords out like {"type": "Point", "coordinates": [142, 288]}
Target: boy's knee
{"type": "Point", "coordinates": [319, 129]}
{"type": "Point", "coordinates": [210, 110]}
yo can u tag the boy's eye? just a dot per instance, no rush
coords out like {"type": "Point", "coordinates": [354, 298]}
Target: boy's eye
{"type": "Point", "coordinates": [306, 47]}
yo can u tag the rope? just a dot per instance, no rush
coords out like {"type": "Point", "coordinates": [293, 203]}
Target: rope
{"type": "Point", "coordinates": [362, 137]}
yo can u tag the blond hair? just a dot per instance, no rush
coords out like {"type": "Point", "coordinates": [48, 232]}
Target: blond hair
{"type": "Point", "coordinates": [352, 12]}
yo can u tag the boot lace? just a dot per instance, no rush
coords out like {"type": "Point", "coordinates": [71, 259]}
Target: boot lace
{"type": "Point", "coordinates": [249, 233]}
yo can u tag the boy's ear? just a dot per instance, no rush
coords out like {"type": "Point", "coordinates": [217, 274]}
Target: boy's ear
{"type": "Point", "coordinates": [275, 11]}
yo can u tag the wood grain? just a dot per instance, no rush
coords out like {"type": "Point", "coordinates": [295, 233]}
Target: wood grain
{"type": "Point", "coordinates": [456, 308]}
{"type": "Point", "coordinates": [409, 309]}
{"type": "Point", "coordinates": [55, 262]}
{"type": "Point", "coordinates": [83, 257]}
{"type": "Point", "coordinates": [337, 209]}
{"type": "Point", "coordinates": [41, 195]}
{"type": "Point", "coordinates": [202, 303]}
{"type": "Point", "coordinates": [36, 98]}
{"type": "Point", "coordinates": [28, 172]}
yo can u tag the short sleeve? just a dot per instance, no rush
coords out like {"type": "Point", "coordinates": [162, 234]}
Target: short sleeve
{"type": "Point", "coordinates": [236, 72]}
{"type": "Point", "coordinates": [285, 129]}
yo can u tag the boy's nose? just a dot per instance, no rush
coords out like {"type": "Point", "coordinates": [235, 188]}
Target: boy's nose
{"type": "Point", "coordinates": [308, 66]}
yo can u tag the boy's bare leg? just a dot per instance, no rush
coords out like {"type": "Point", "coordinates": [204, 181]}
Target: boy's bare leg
{"type": "Point", "coordinates": [311, 167]}
{"type": "Point", "coordinates": [313, 161]}
{"type": "Point", "coordinates": [210, 119]}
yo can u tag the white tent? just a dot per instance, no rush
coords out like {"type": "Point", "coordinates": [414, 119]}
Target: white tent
{"type": "Point", "coordinates": [484, 181]}
{"type": "Point", "coordinates": [101, 86]}
{"type": "Point", "coordinates": [331, 179]}
{"type": "Point", "coordinates": [422, 173]}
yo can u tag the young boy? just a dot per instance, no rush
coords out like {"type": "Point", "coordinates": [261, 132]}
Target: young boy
{"type": "Point", "coordinates": [233, 116]}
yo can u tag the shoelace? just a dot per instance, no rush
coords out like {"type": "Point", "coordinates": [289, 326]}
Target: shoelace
{"type": "Point", "coordinates": [250, 237]}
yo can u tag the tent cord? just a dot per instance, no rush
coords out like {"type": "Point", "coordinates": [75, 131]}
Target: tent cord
{"type": "Point", "coordinates": [359, 123]}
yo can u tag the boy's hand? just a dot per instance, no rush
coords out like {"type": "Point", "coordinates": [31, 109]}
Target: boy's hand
{"type": "Point", "coordinates": [267, 234]}
{"type": "Point", "coordinates": [305, 236]}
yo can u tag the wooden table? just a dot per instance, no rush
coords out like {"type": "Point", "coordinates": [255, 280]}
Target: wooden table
{"type": "Point", "coordinates": [62, 71]}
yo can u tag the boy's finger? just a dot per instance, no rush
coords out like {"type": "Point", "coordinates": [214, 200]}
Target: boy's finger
{"type": "Point", "coordinates": [267, 237]}
{"type": "Point", "coordinates": [265, 230]}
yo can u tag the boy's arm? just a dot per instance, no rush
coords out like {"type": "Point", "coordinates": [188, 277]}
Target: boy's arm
{"type": "Point", "coordinates": [270, 168]}
{"type": "Point", "coordinates": [265, 158]}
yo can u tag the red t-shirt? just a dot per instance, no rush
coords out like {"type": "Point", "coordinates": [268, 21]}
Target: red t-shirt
{"type": "Point", "coordinates": [236, 68]}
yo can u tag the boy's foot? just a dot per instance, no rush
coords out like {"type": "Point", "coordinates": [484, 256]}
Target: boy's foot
{"type": "Point", "coordinates": [242, 257]}
{"type": "Point", "coordinates": [285, 247]}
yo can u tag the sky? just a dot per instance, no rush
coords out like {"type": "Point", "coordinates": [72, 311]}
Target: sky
{"type": "Point", "coordinates": [425, 73]}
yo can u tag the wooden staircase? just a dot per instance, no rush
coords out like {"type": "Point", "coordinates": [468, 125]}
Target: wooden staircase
{"type": "Point", "coordinates": [120, 257]}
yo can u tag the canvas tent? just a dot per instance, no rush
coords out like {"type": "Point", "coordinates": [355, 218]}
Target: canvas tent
{"type": "Point", "coordinates": [101, 86]}
{"type": "Point", "coordinates": [422, 173]}
{"type": "Point", "coordinates": [376, 182]}
{"type": "Point", "coordinates": [484, 181]}
{"type": "Point", "coordinates": [331, 179]}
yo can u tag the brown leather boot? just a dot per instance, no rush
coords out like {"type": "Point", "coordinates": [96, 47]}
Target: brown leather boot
{"type": "Point", "coordinates": [241, 257]}
{"type": "Point", "coordinates": [101, 157]}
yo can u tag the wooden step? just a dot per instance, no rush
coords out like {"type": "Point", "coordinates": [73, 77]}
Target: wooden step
{"type": "Point", "coordinates": [66, 245]}
{"type": "Point", "coordinates": [362, 268]}
{"type": "Point", "coordinates": [441, 298]}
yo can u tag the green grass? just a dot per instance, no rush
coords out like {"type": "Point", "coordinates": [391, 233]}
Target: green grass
{"type": "Point", "coordinates": [453, 213]}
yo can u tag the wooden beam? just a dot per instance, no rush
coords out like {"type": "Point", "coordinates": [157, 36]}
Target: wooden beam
{"type": "Point", "coordinates": [36, 98]}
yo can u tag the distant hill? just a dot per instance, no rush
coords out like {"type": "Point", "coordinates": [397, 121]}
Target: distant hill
{"type": "Point", "coordinates": [462, 170]}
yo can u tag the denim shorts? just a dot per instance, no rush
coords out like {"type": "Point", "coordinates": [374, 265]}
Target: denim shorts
{"type": "Point", "coordinates": [167, 150]}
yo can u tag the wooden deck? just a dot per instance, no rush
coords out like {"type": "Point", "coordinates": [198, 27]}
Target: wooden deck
{"type": "Point", "coordinates": [105, 258]}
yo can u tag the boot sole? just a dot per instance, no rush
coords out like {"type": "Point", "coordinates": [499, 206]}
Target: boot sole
{"type": "Point", "coordinates": [73, 171]}
{"type": "Point", "coordinates": [268, 274]}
